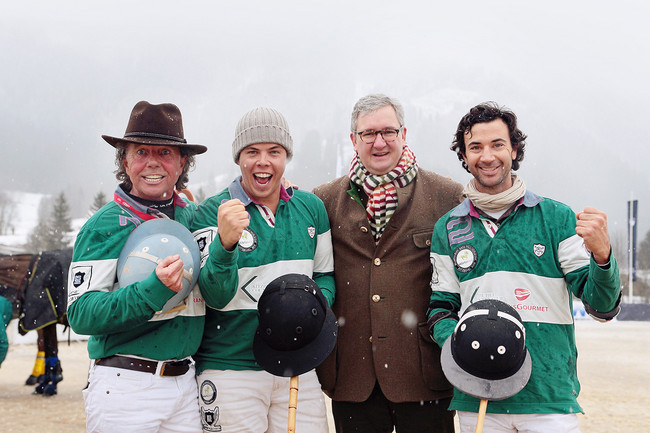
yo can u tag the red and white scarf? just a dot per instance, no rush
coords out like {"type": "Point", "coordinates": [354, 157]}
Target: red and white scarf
{"type": "Point", "coordinates": [381, 189]}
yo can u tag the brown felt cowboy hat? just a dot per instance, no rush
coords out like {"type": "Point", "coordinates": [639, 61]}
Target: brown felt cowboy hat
{"type": "Point", "coordinates": [160, 124]}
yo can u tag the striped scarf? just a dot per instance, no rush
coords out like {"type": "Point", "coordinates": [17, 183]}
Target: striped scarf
{"type": "Point", "coordinates": [381, 189]}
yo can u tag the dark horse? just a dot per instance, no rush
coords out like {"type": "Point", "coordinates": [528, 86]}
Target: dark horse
{"type": "Point", "coordinates": [36, 285]}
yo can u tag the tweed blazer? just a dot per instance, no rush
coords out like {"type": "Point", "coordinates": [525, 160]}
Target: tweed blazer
{"type": "Point", "coordinates": [382, 293]}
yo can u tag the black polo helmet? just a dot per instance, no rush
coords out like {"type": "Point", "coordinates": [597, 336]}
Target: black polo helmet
{"type": "Point", "coordinates": [297, 330]}
{"type": "Point", "coordinates": [486, 356]}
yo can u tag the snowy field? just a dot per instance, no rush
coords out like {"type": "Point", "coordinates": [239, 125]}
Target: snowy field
{"type": "Point", "coordinates": [613, 366]}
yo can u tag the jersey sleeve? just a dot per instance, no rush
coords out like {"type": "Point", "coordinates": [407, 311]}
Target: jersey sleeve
{"type": "Point", "coordinates": [218, 279]}
{"type": "Point", "coordinates": [324, 255]}
{"type": "Point", "coordinates": [95, 303]}
{"type": "Point", "coordinates": [444, 303]}
{"type": "Point", "coordinates": [597, 286]}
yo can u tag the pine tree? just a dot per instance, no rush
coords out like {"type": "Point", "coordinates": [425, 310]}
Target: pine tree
{"type": "Point", "coordinates": [36, 241]}
{"type": "Point", "coordinates": [98, 202]}
{"type": "Point", "coordinates": [60, 224]}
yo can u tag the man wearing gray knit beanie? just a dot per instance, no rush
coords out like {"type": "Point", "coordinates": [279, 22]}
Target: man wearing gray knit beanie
{"type": "Point", "coordinates": [249, 234]}
{"type": "Point", "coordinates": [262, 125]}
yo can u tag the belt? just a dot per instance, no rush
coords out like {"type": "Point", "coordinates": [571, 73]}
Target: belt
{"type": "Point", "coordinates": [168, 368]}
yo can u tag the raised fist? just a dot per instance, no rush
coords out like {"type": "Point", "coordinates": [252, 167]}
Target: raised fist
{"type": "Point", "coordinates": [232, 219]}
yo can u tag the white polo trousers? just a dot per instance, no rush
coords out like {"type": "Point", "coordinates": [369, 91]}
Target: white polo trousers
{"type": "Point", "coordinates": [526, 423]}
{"type": "Point", "coordinates": [123, 401]}
{"type": "Point", "coordinates": [256, 402]}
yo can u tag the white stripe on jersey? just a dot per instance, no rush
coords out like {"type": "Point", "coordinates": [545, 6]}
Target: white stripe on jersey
{"type": "Point", "coordinates": [253, 281]}
{"type": "Point", "coordinates": [572, 254]}
{"type": "Point", "coordinates": [536, 298]}
{"type": "Point", "coordinates": [324, 254]}
{"type": "Point", "coordinates": [443, 277]}
{"type": "Point", "coordinates": [91, 275]}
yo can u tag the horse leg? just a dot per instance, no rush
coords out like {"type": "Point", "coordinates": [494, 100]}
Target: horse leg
{"type": "Point", "coordinates": [53, 370]}
{"type": "Point", "coordinates": [39, 364]}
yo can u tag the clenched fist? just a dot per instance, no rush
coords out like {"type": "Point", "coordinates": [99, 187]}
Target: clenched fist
{"type": "Point", "coordinates": [232, 219]}
{"type": "Point", "coordinates": [592, 228]}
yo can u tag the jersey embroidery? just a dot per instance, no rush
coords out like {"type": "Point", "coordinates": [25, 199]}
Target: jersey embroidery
{"type": "Point", "coordinates": [460, 235]}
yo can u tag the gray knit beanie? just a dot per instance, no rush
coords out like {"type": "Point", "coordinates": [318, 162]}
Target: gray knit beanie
{"type": "Point", "coordinates": [262, 125]}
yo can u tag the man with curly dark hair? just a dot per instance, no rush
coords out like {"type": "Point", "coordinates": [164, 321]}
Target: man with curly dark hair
{"type": "Point", "coordinates": [484, 113]}
{"type": "Point", "coordinates": [506, 243]}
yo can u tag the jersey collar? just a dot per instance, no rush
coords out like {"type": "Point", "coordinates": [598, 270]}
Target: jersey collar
{"type": "Point", "coordinates": [236, 190]}
{"type": "Point", "coordinates": [530, 199]}
{"type": "Point", "coordinates": [143, 212]}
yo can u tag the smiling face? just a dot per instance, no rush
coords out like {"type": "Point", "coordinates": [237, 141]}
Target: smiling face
{"type": "Point", "coordinates": [379, 157]}
{"type": "Point", "coordinates": [262, 167]}
{"type": "Point", "coordinates": [489, 155]}
{"type": "Point", "coordinates": [153, 170]}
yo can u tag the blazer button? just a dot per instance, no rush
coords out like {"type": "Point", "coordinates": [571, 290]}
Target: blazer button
{"type": "Point", "coordinates": [377, 261]}
{"type": "Point", "coordinates": [376, 298]}
{"type": "Point", "coordinates": [364, 229]}
{"type": "Point", "coordinates": [370, 339]}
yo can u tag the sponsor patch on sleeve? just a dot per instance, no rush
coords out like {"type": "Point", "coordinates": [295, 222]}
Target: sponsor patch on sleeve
{"type": "Point", "coordinates": [80, 281]}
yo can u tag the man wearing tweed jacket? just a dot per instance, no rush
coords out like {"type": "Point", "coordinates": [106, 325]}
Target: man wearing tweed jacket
{"type": "Point", "coordinates": [385, 371]}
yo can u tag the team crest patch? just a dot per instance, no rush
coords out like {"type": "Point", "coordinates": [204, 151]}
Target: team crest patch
{"type": "Point", "coordinates": [80, 281]}
{"type": "Point", "coordinates": [81, 277]}
{"type": "Point", "coordinates": [465, 258]}
{"type": "Point", "coordinates": [209, 419]}
{"type": "Point", "coordinates": [202, 242]}
{"type": "Point", "coordinates": [248, 240]}
{"type": "Point", "coordinates": [311, 231]}
{"type": "Point", "coordinates": [435, 279]}
{"type": "Point", "coordinates": [203, 239]}
{"type": "Point", "coordinates": [539, 249]}
{"type": "Point", "coordinates": [208, 392]}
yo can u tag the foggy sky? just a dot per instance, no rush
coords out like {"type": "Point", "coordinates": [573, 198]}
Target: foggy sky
{"type": "Point", "coordinates": [575, 73]}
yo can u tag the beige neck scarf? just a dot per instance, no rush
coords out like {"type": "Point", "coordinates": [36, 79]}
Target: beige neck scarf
{"type": "Point", "coordinates": [495, 202]}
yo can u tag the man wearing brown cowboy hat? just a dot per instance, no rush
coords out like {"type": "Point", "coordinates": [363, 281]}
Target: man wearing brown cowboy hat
{"type": "Point", "coordinates": [141, 376]}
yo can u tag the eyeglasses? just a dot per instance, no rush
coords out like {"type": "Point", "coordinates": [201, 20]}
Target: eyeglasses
{"type": "Point", "coordinates": [369, 136]}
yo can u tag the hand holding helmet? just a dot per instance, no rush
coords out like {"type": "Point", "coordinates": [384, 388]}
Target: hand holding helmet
{"type": "Point", "coordinates": [167, 248]}
{"type": "Point", "coordinates": [170, 272]}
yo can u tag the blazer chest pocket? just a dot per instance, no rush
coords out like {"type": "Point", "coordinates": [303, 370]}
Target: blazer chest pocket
{"type": "Point", "coordinates": [422, 239]}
